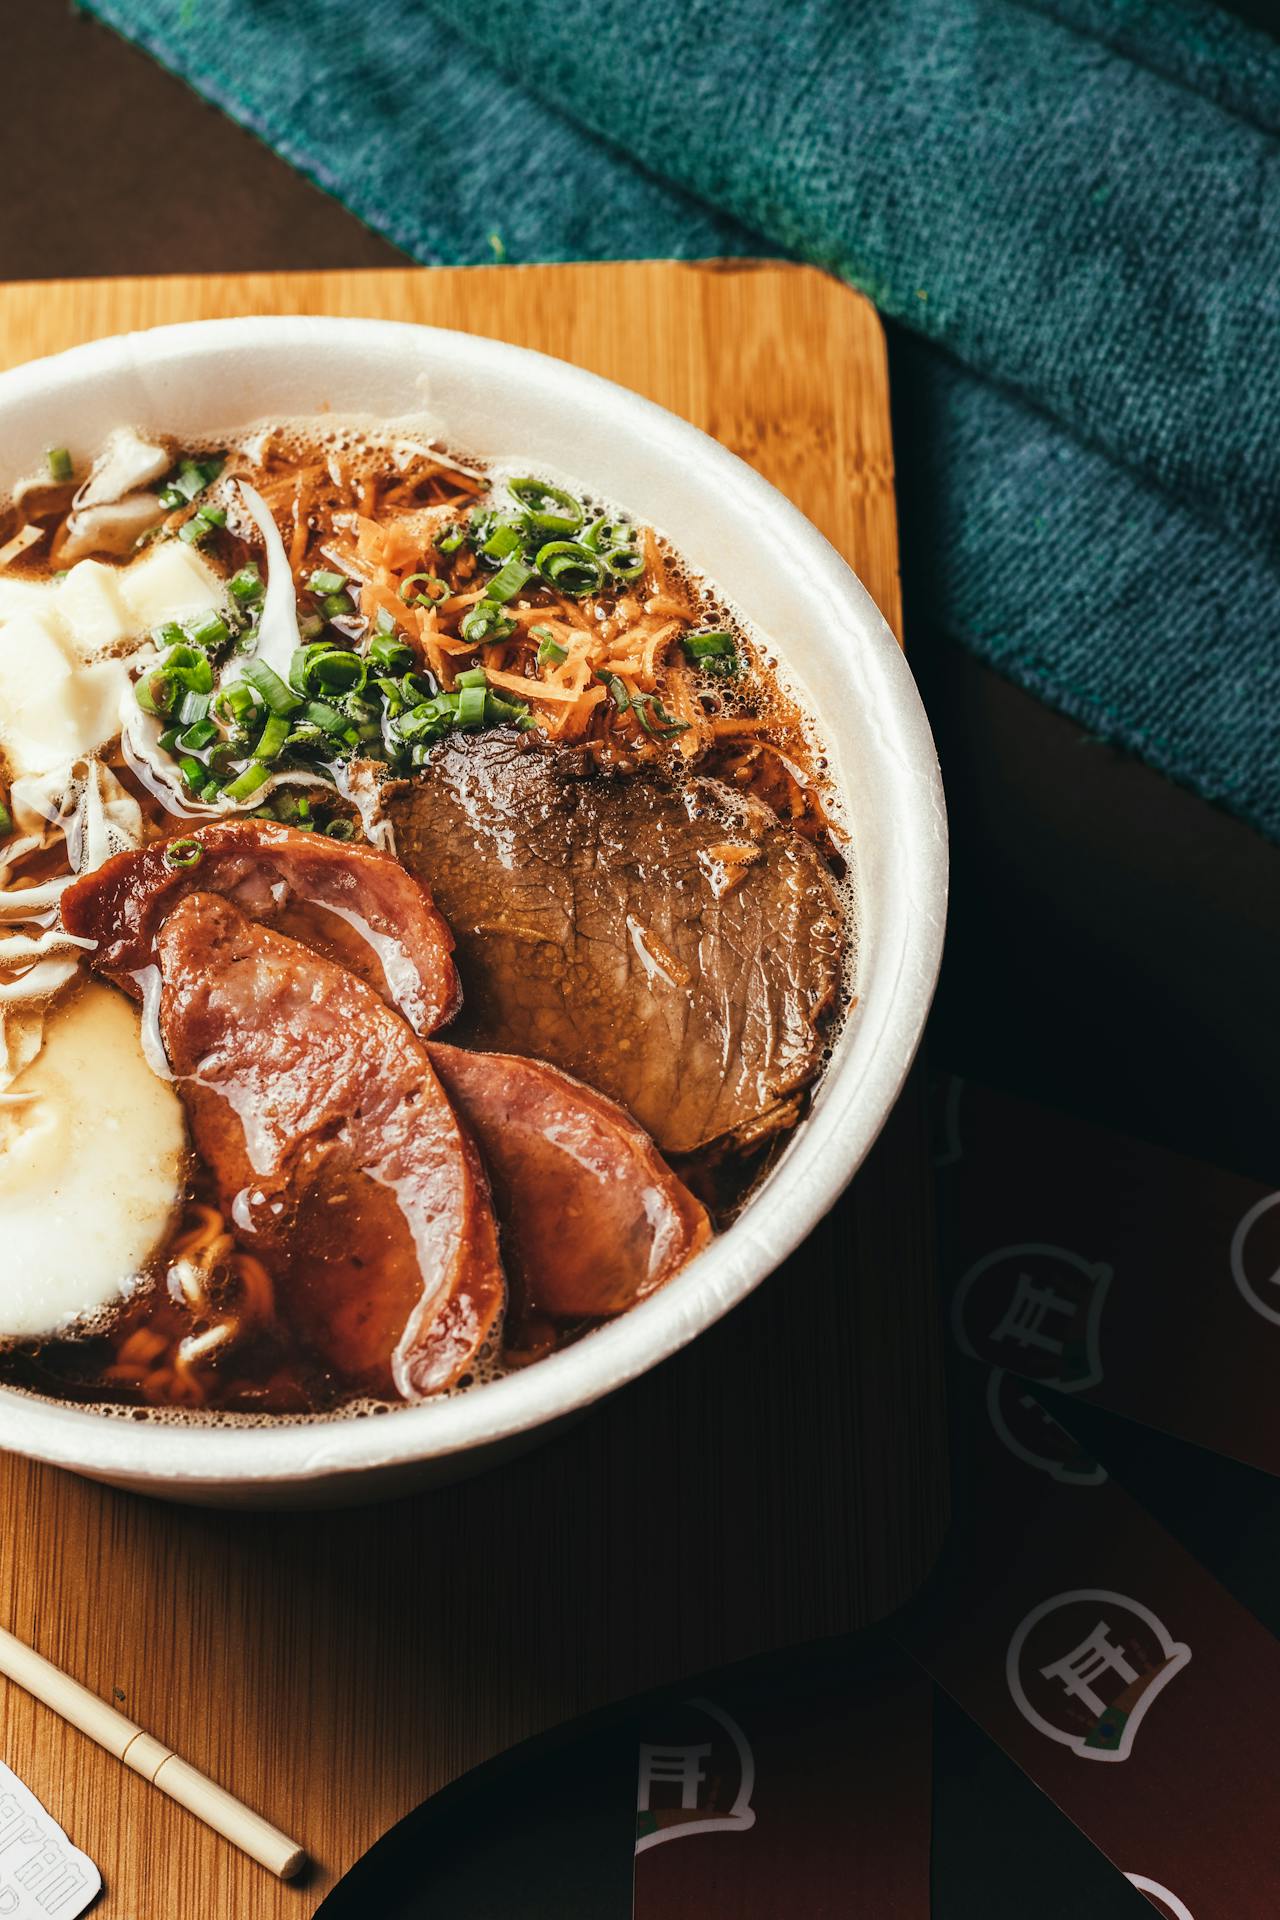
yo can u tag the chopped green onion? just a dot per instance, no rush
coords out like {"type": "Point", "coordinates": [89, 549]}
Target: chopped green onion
{"type": "Point", "coordinates": [293, 808]}
{"type": "Point", "coordinates": [235, 702]}
{"type": "Point", "coordinates": [305, 738]}
{"type": "Point", "coordinates": [435, 591]}
{"type": "Point", "coordinates": [192, 707]}
{"type": "Point", "coordinates": [473, 677]}
{"type": "Point", "coordinates": [485, 621]}
{"type": "Point", "coordinates": [624, 563]}
{"type": "Point", "coordinates": [499, 712]}
{"type": "Point", "coordinates": [246, 586]}
{"type": "Point", "coordinates": [511, 576]}
{"type": "Point", "coordinates": [504, 540]}
{"type": "Point", "coordinates": [272, 738]}
{"type": "Point", "coordinates": [211, 633]}
{"type": "Point", "coordinates": [169, 738]}
{"type": "Point", "coordinates": [187, 665]}
{"type": "Point", "coordinates": [647, 705]}
{"type": "Point", "coordinates": [154, 693]}
{"type": "Point", "coordinates": [388, 652]}
{"type": "Point", "coordinates": [547, 509]}
{"type": "Point", "coordinates": [60, 468]}
{"type": "Point", "coordinates": [325, 669]}
{"type": "Point", "coordinates": [183, 853]}
{"type": "Point", "coordinates": [192, 772]}
{"type": "Point", "coordinates": [6, 820]}
{"type": "Point", "coordinates": [549, 648]}
{"type": "Point", "coordinates": [471, 706]}
{"type": "Point", "coordinates": [201, 525]}
{"type": "Point", "coordinates": [431, 719]}
{"type": "Point", "coordinates": [338, 605]}
{"type": "Point", "coordinates": [192, 477]}
{"type": "Point", "coordinates": [220, 759]}
{"type": "Point", "coordinates": [318, 713]}
{"type": "Point", "coordinates": [341, 830]}
{"type": "Point", "coordinates": [713, 652]}
{"type": "Point", "coordinates": [248, 782]}
{"type": "Point", "coordinates": [268, 684]}
{"type": "Point", "coordinates": [450, 542]}
{"type": "Point", "coordinates": [605, 533]}
{"type": "Point", "coordinates": [571, 568]}
{"type": "Point", "coordinates": [323, 583]}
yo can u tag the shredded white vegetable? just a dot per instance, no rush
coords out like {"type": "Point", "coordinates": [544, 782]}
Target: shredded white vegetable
{"type": "Point", "coordinates": [278, 627]}
{"type": "Point", "coordinates": [85, 804]}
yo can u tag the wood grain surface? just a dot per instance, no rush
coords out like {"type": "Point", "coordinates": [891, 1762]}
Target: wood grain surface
{"type": "Point", "coordinates": [781, 1481]}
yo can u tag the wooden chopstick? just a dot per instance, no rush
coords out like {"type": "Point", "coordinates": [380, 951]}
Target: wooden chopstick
{"type": "Point", "coordinates": [154, 1761]}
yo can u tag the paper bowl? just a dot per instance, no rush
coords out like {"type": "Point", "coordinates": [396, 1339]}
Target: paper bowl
{"type": "Point", "coordinates": [500, 402]}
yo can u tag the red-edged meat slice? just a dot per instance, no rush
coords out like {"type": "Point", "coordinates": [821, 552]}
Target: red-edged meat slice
{"type": "Point", "coordinates": [349, 901]}
{"type": "Point", "coordinates": [593, 1219]}
{"type": "Point", "coordinates": [337, 1155]}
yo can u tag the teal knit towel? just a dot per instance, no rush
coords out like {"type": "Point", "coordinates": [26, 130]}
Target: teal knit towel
{"type": "Point", "coordinates": [1071, 211]}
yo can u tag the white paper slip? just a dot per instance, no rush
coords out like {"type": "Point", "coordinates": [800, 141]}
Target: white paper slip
{"type": "Point", "coordinates": [42, 1876]}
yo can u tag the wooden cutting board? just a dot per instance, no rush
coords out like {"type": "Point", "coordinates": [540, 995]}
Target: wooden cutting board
{"type": "Point", "coordinates": [781, 1481]}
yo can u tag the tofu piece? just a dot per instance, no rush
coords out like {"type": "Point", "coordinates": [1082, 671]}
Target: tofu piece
{"type": "Point", "coordinates": [92, 609]}
{"type": "Point", "coordinates": [169, 582]}
{"type": "Point", "coordinates": [92, 1162]}
{"type": "Point", "coordinates": [52, 709]}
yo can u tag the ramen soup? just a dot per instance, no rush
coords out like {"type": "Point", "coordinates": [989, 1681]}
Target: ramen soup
{"type": "Point", "coordinates": [420, 920]}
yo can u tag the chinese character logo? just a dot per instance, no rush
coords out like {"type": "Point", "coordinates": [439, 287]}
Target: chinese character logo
{"type": "Point", "coordinates": [1035, 1437]}
{"type": "Point", "coordinates": [1036, 1309]}
{"type": "Point", "coordinates": [1085, 1668]}
{"type": "Point", "coordinates": [1162, 1900]}
{"type": "Point", "coordinates": [698, 1778]}
{"type": "Point", "coordinates": [1255, 1257]}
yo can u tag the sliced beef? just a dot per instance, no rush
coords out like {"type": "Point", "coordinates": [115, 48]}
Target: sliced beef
{"type": "Point", "coordinates": [349, 901]}
{"type": "Point", "coordinates": [593, 1219]}
{"type": "Point", "coordinates": [335, 1150]}
{"type": "Point", "coordinates": [675, 946]}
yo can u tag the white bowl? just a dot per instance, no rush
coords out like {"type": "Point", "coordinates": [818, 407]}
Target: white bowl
{"type": "Point", "coordinates": [499, 401]}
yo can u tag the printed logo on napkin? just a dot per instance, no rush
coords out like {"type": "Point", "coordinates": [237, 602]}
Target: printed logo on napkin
{"type": "Point", "coordinates": [1076, 1631]}
{"type": "Point", "coordinates": [42, 1876]}
{"type": "Point", "coordinates": [786, 1795]}
{"type": "Point", "coordinates": [1112, 1270]}
{"type": "Point", "coordinates": [1162, 1900]}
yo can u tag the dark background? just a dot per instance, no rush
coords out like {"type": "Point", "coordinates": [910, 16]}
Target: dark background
{"type": "Point", "coordinates": [1112, 943]}
{"type": "Point", "coordinates": [1113, 939]}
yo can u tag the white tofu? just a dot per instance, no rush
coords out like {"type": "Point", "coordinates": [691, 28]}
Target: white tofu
{"type": "Point", "coordinates": [91, 1168]}
{"type": "Point", "coordinates": [52, 709]}
{"type": "Point", "coordinates": [21, 596]}
{"type": "Point", "coordinates": [60, 687]}
{"type": "Point", "coordinates": [92, 608]}
{"type": "Point", "coordinates": [169, 582]}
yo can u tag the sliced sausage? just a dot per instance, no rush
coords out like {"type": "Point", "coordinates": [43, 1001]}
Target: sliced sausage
{"type": "Point", "coordinates": [336, 1153]}
{"type": "Point", "coordinates": [352, 902]}
{"type": "Point", "coordinates": [593, 1219]}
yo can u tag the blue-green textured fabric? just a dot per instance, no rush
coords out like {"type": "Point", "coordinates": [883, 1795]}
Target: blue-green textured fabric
{"type": "Point", "coordinates": [1069, 211]}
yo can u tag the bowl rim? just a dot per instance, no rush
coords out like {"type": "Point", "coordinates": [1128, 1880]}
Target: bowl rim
{"type": "Point", "coordinates": [826, 1150]}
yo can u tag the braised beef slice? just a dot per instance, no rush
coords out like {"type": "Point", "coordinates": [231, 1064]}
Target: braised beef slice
{"type": "Point", "coordinates": [352, 902]}
{"type": "Point", "coordinates": [337, 1156]}
{"type": "Point", "coordinates": [593, 1219]}
{"type": "Point", "coordinates": [600, 926]}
